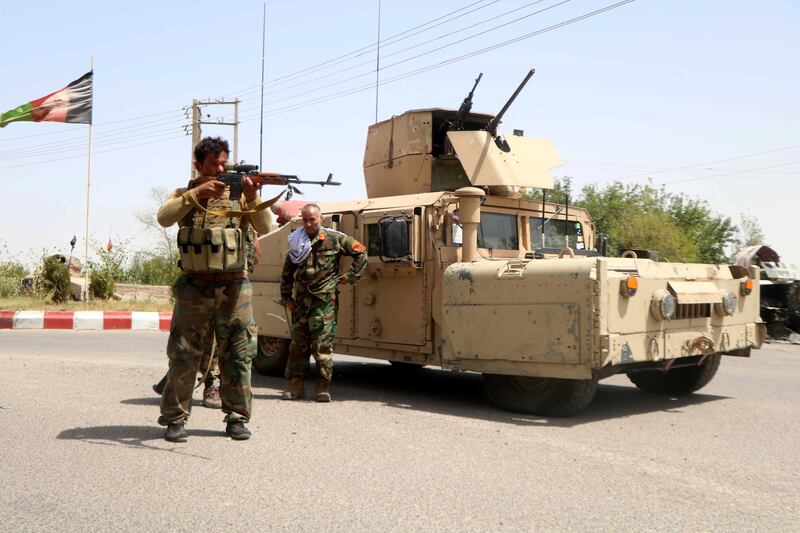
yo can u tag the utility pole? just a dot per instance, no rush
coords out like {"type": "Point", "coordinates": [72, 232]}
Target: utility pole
{"type": "Point", "coordinates": [197, 122]}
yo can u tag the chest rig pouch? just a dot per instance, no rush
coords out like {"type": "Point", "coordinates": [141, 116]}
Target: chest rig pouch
{"type": "Point", "coordinates": [210, 250]}
{"type": "Point", "coordinates": [207, 246]}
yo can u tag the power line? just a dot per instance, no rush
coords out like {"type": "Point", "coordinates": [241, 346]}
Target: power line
{"type": "Point", "coordinates": [449, 61]}
{"type": "Point", "coordinates": [738, 172]}
{"type": "Point", "coordinates": [82, 156]}
{"type": "Point", "coordinates": [442, 19]}
{"type": "Point", "coordinates": [705, 163]}
{"type": "Point", "coordinates": [384, 42]}
{"type": "Point", "coordinates": [78, 142]}
{"type": "Point", "coordinates": [383, 56]}
{"type": "Point", "coordinates": [347, 92]}
{"type": "Point", "coordinates": [427, 68]}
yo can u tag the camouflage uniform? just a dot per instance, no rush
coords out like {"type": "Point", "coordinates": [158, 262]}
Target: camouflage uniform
{"type": "Point", "coordinates": [312, 286]}
{"type": "Point", "coordinates": [210, 362]}
{"type": "Point", "coordinates": [205, 310]}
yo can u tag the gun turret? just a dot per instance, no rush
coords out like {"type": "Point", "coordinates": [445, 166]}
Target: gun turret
{"type": "Point", "coordinates": [491, 127]}
{"type": "Point", "coordinates": [457, 124]}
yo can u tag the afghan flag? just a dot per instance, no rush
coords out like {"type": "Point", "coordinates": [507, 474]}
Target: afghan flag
{"type": "Point", "coordinates": [71, 104]}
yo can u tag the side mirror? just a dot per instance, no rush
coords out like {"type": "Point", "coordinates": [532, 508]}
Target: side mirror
{"type": "Point", "coordinates": [394, 238]}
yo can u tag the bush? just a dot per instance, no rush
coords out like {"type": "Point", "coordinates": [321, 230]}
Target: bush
{"type": "Point", "coordinates": [11, 275]}
{"type": "Point", "coordinates": [101, 284]}
{"type": "Point", "coordinates": [152, 269]}
{"type": "Point", "coordinates": [52, 280]}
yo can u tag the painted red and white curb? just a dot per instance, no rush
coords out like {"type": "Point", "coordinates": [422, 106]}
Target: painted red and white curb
{"type": "Point", "coordinates": [86, 320]}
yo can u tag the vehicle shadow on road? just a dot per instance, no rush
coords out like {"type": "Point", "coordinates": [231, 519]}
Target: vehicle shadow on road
{"type": "Point", "coordinates": [462, 394]}
{"type": "Point", "coordinates": [132, 437]}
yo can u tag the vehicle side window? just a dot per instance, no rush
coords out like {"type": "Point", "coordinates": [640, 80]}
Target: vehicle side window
{"type": "Point", "coordinates": [373, 240]}
{"type": "Point", "coordinates": [498, 231]}
{"type": "Point", "coordinates": [557, 233]}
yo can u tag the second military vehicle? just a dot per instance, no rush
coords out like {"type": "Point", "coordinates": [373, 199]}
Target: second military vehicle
{"type": "Point", "coordinates": [466, 275]}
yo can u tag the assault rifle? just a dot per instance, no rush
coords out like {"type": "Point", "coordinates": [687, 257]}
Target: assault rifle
{"type": "Point", "coordinates": [234, 174]}
{"type": "Point", "coordinates": [457, 124]}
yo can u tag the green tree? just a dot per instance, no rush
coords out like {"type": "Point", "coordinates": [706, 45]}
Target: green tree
{"type": "Point", "coordinates": [750, 232]}
{"type": "Point", "coordinates": [713, 234]}
{"type": "Point", "coordinates": [643, 216]}
{"type": "Point", "coordinates": [165, 243]}
{"type": "Point", "coordinates": [149, 268]}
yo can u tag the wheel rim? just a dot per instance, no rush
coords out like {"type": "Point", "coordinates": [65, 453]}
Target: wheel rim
{"type": "Point", "coordinates": [529, 386]}
{"type": "Point", "coordinates": [269, 346]}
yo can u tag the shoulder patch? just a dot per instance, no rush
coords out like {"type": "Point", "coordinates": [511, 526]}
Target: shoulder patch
{"type": "Point", "coordinates": [358, 247]}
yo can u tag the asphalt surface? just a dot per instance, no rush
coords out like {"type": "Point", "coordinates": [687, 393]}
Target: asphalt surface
{"type": "Point", "coordinates": [394, 452]}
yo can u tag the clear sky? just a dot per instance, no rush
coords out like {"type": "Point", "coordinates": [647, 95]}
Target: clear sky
{"type": "Point", "coordinates": [677, 90]}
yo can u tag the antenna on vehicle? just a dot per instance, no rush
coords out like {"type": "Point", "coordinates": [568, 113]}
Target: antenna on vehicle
{"type": "Point", "coordinates": [566, 217]}
{"type": "Point", "coordinates": [378, 62]}
{"type": "Point", "coordinates": [544, 213]}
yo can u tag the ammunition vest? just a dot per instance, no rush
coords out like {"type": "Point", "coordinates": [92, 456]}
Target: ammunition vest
{"type": "Point", "coordinates": [210, 244]}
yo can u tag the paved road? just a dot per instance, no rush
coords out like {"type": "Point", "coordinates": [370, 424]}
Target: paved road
{"type": "Point", "coordinates": [81, 451]}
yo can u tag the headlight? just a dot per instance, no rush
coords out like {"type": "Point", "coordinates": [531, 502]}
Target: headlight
{"type": "Point", "coordinates": [664, 305]}
{"type": "Point", "coordinates": [728, 303]}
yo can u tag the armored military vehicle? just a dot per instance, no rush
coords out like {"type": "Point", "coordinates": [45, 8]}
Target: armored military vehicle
{"type": "Point", "coordinates": [467, 275]}
{"type": "Point", "coordinates": [780, 291]}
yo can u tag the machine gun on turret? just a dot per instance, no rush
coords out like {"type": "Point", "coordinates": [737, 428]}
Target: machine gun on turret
{"type": "Point", "coordinates": [233, 175]}
{"type": "Point", "coordinates": [457, 124]}
{"type": "Point", "coordinates": [491, 127]}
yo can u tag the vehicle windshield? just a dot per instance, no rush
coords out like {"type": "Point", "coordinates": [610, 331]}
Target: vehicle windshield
{"type": "Point", "coordinates": [557, 234]}
{"type": "Point", "coordinates": [497, 231]}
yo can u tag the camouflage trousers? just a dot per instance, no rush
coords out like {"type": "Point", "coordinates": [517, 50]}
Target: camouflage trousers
{"type": "Point", "coordinates": [313, 330]}
{"type": "Point", "coordinates": [203, 310]}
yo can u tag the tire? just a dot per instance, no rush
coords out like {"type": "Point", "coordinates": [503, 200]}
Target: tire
{"type": "Point", "coordinates": [272, 355]}
{"type": "Point", "coordinates": [678, 381]}
{"type": "Point", "coordinates": [539, 396]}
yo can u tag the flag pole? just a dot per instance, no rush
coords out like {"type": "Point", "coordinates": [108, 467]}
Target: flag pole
{"type": "Point", "coordinates": [263, 46]}
{"type": "Point", "coordinates": [88, 189]}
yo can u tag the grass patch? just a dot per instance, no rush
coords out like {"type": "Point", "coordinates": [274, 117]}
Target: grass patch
{"type": "Point", "coordinates": [25, 303]}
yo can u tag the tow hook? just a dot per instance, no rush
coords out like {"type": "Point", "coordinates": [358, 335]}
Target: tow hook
{"type": "Point", "coordinates": [704, 345]}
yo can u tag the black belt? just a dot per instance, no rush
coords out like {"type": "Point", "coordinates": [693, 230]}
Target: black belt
{"type": "Point", "coordinates": [222, 276]}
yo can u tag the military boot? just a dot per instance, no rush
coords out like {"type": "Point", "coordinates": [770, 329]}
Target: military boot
{"type": "Point", "coordinates": [237, 430]}
{"type": "Point", "coordinates": [176, 432]}
{"type": "Point", "coordinates": [211, 398]}
{"type": "Point", "coordinates": [296, 390]}
{"type": "Point", "coordinates": [323, 390]}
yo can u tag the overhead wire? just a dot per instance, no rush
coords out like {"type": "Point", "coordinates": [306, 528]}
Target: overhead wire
{"type": "Point", "coordinates": [78, 139]}
{"type": "Point", "coordinates": [446, 62]}
{"type": "Point", "coordinates": [159, 140]}
{"type": "Point", "coordinates": [705, 163]}
{"type": "Point", "coordinates": [388, 41]}
{"type": "Point", "coordinates": [440, 64]}
{"type": "Point", "coordinates": [383, 56]}
{"type": "Point", "coordinates": [743, 171]}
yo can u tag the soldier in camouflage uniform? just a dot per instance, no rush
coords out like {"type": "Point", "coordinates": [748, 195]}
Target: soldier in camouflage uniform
{"type": "Point", "coordinates": [210, 363]}
{"type": "Point", "coordinates": [213, 297]}
{"type": "Point", "coordinates": [309, 290]}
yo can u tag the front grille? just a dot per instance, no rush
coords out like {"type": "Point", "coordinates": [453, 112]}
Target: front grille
{"type": "Point", "coordinates": [692, 311]}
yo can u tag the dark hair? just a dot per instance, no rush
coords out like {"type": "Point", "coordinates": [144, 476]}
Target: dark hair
{"type": "Point", "coordinates": [210, 145]}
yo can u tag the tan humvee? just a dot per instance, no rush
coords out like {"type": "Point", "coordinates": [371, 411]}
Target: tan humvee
{"type": "Point", "coordinates": [478, 279]}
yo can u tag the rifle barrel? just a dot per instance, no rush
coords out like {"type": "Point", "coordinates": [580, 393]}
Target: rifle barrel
{"type": "Point", "coordinates": [492, 126]}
